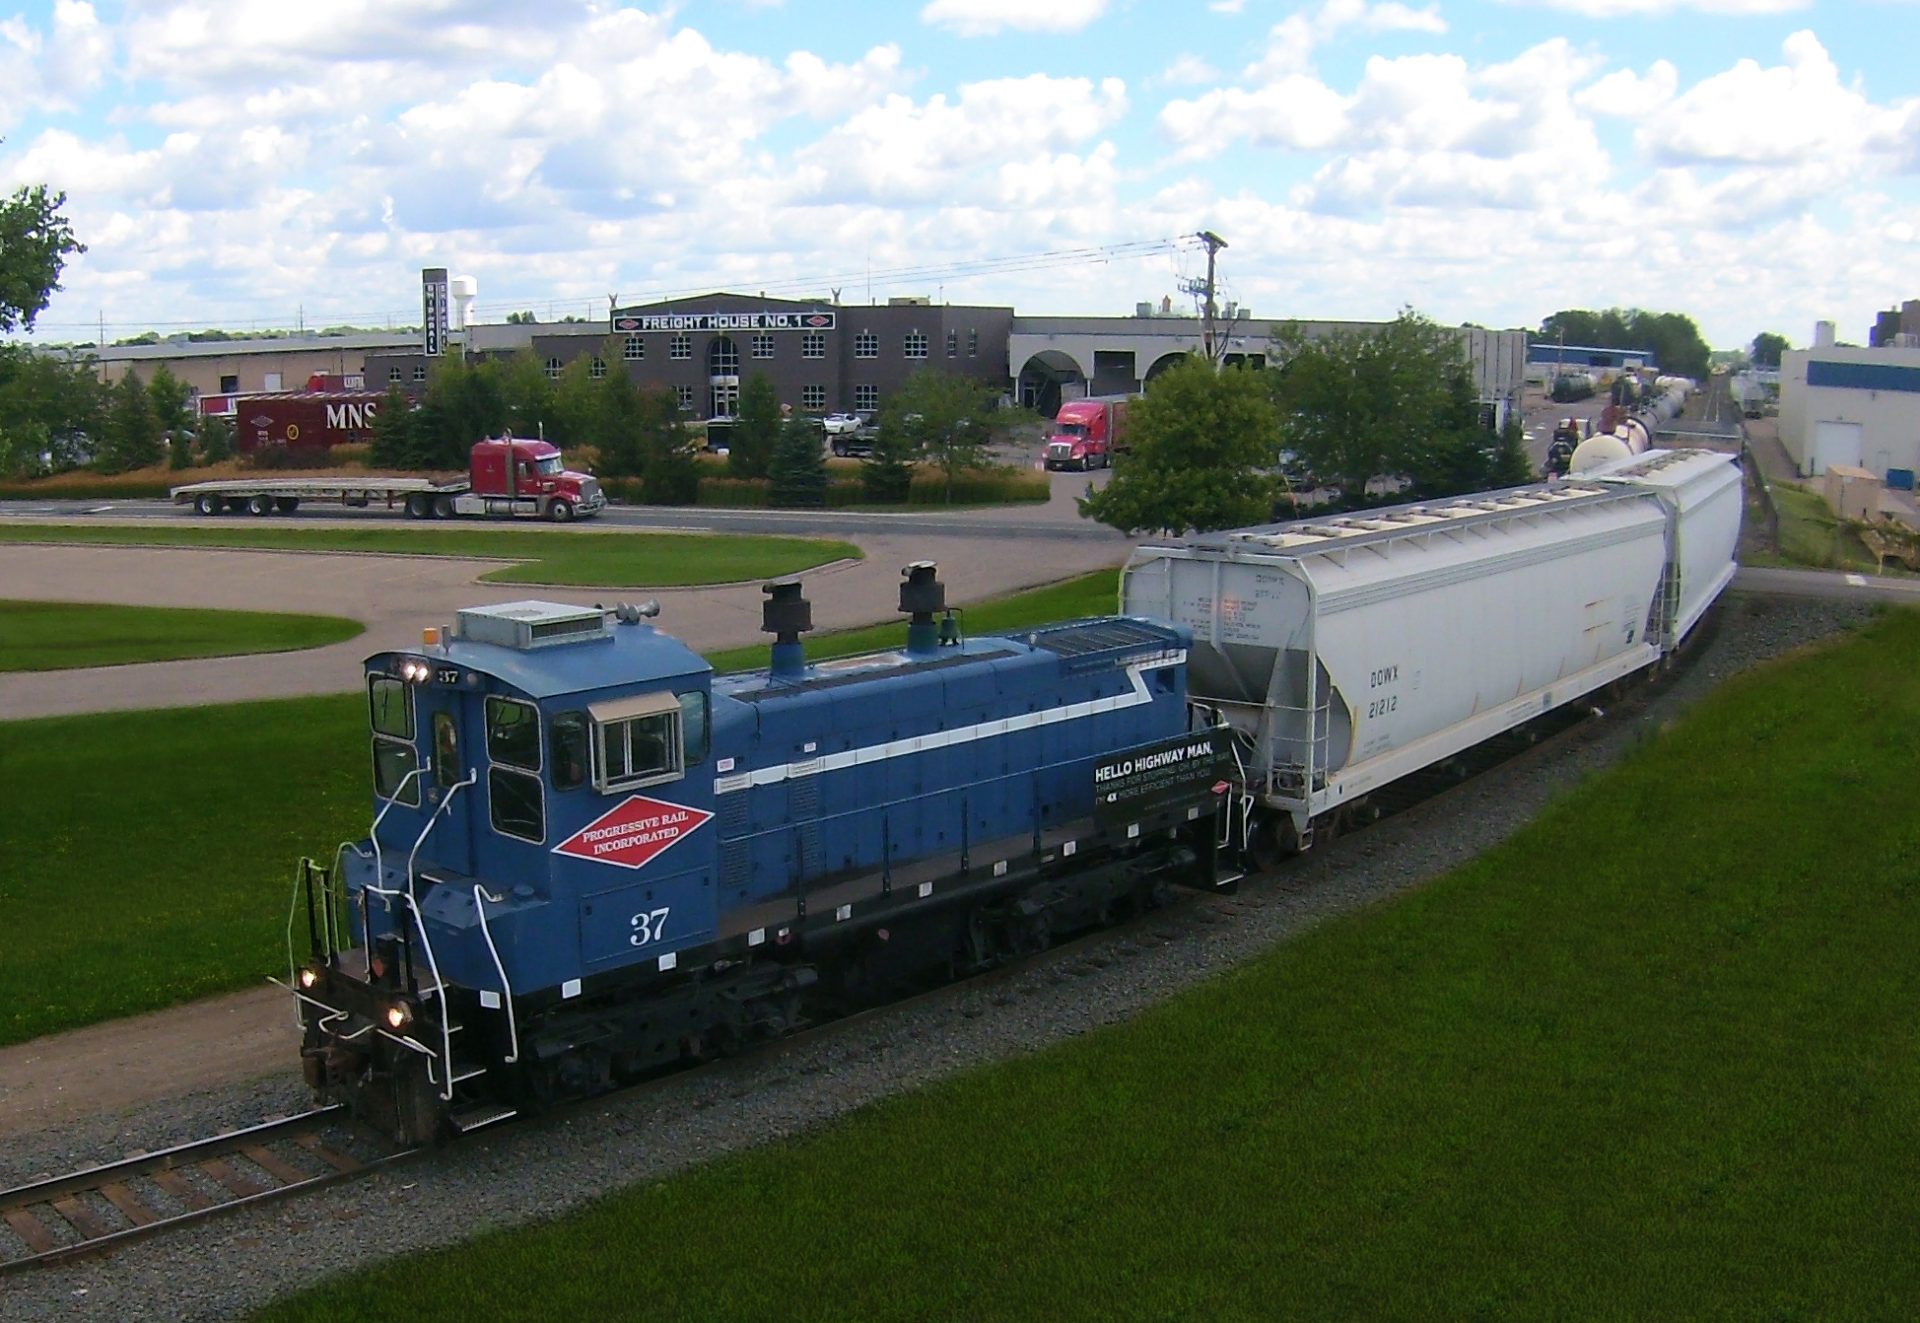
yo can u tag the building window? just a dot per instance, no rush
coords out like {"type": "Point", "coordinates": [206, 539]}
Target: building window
{"type": "Point", "coordinates": [866, 397]}
{"type": "Point", "coordinates": [682, 346]}
{"type": "Point", "coordinates": [866, 345]}
{"type": "Point", "coordinates": [813, 397]}
{"type": "Point", "coordinates": [723, 357]}
{"type": "Point", "coordinates": [419, 371]}
{"type": "Point", "coordinates": [813, 344]}
{"type": "Point", "coordinates": [685, 395]}
{"type": "Point", "coordinates": [953, 344]}
{"type": "Point", "coordinates": [553, 368]}
{"type": "Point", "coordinates": [393, 376]}
{"type": "Point", "coordinates": [914, 345]}
{"type": "Point", "coordinates": [973, 344]}
{"type": "Point", "coordinates": [763, 345]}
{"type": "Point", "coordinates": [599, 369]}
{"type": "Point", "coordinates": [635, 349]}
{"type": "Point", "coordinates": [230, 385]}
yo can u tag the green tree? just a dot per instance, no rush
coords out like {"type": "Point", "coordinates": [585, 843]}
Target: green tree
{"type": "Point", "coordinates": [216, 435]}
{"type": "Point", "coordinates": [947, 419]}
{"type": "Point", "coordinates": [622, 453]}
{"type": "Point", "coordinates": [670, 474]}
{"type": "Point", "coordinates": [886, 474]}
{"type": "Point", "coordinates": [528, 392]}
{"type": "Point", "coordinates": [59, 399]}
{"type": "Point", "coordinates": [1395, 399]}
{"type": "Point", "coordinates": [133, 434]}
{"type": "Point", "coordinates": [172, 414]}
{"type": "Point", "coordinates": [1767, 348]}
{"type": "Point", "coordinates": [464, 404]}
{"type": "Point", "coordinates": [35, 243]}
{"type": "Point", "coordinates": [394, 443]}
{"type": "Point", "coordinates": [799, 467]}
{"type": "Point", "coordinates": [1672, 338]}
{"type": "Point", "coordinates": [576, 408]}
{"type": "Point", "coordinates": [756, 429]}
{"type": "Point", "coordinates": [1203, 447]}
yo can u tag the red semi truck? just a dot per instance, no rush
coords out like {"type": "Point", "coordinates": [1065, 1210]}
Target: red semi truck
{"type": "Point", "coordinates": [1088, 433]}
{"type": "Point", "coordinates": [506, 477]}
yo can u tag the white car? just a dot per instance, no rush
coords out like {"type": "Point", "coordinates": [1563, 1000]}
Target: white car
{"type": "Point", "coordinates": [838, 424]}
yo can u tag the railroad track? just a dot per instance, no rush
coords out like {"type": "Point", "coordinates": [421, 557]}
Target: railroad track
{"type": "Point", "coordinates": [91, 1210]}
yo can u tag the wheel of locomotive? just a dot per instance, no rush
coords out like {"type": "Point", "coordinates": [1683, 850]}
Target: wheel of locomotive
{"type": "Point", "coordinates": [443, 507]}
{"type": "Point", "coordinates": [286, 504]}
{"type": "Point", "coordinates": [561, 512]}
{"type": "Point", "coordinates": [418, 507]}
{"type": "Point", "coordinates": [260, 505]}
{"type": "Point", "coordinates": [207, 503]}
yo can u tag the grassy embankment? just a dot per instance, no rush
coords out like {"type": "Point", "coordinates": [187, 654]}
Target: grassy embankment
{"type": "Point", "coordinates": [53, 636]}
{"type": "Point", "coordinates": [148, 857]}
{"type": "Point", "coordinates": [1811, 534]}
{"type": "Point", "coordinates": [1653, 1058]}
{"type": "Point", "coordinates": [568, 559]}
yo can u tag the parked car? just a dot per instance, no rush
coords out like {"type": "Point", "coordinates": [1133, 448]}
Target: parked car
{"type": "Point", "coordinates": [840, 423]}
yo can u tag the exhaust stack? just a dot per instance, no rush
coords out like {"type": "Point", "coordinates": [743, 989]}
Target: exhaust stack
{"type": "Point", "coordinates": [786, 615]}
{"type": "Point", "coordinates": [923, 596]}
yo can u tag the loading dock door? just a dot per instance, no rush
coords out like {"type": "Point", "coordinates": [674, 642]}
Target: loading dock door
{"type": "Point", "coordinates": [1834, 443]}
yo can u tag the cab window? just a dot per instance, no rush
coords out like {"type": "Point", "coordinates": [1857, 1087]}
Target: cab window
{"type": "Point", "coordinates": [567, 737]}
{"type": "Point", "coordinates": [390, 711]}
{"type": "Point", "coordinates": [636, 741]}
{"type": "Point", "coordinates": [693, 727]}
{"type": "Point", "coordinates": [515, 799]}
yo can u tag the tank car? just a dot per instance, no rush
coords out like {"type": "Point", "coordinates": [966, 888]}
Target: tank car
{"type": "Point", "coordinates": [1349, 652]}
{"type": "Point", "coordinates": [591, 857]}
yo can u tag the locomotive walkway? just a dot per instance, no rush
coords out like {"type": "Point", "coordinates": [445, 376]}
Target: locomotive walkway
{"type": "Point", "coordinates": [394, 596]}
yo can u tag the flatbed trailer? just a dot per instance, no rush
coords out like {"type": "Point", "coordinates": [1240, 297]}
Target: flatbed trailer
{"type": "Point", "coordinates": [421, 498]}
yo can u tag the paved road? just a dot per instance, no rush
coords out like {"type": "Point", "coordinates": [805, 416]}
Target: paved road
{"type": "Point", "coordinates": [981, 554]}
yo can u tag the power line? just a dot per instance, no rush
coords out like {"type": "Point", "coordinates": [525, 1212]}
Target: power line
{"type": "Point", "coordinates": [943, 272]}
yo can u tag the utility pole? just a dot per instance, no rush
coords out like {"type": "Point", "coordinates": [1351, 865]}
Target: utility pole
{"type": "Point", "coordinates": [1214, 243]}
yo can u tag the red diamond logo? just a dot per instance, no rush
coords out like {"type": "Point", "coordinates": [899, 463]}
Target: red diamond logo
{"type": "Point", "coordinates": [818, 319]}
{"type": "Point", "coordinates": [627, 324]}
{"type": "Point", "coordinates": [634, 832]}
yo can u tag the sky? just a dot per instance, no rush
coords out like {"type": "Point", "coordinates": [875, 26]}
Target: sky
{"type": "Point", "coordinates": [1754, 164]}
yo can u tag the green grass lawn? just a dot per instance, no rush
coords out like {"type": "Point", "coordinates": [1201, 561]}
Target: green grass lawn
{"type": "Point", "coordinates": [1811, 534]}
{"type": "Point", "coordinates": [614, 560]}
{"type": "Point", "coordinates": [52, 636]}
{"type": "Point", "coordinates": [147, 857]}
{"type": "Point", "coordinates": [1654, 1058]}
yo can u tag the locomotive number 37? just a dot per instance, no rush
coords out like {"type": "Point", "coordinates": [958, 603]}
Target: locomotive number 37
{"type": "Point", "coordinates": [648, 926]}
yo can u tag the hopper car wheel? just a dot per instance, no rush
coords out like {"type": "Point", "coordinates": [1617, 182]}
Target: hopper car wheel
{"type": "Point", "coordinates": [259, 505]}
{"type": "Point", "coordinates": [208, 504]}
{"type": "Point", "coordinates": [286, 504]}
{"type": "Point", "coordinates": [1272, 842]}
{"type": "Point", "coordinates": [561, 512]}
{"type": "Point", "coordinates": [443, 507]}
{"type": "Point", "coordinates": [418, 507]}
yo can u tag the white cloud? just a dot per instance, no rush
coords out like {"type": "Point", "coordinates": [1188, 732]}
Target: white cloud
{"type": "Point", "coordinates": [1794, 112]}
{"type": "Point", "coordinates": [1291, 42]}
{"type": "Point", "coordinates": [1628, 95]}
{"type": "Point", "coordinates": [1187, 71]}
{"type": "Point", "coordinates": [44, 70]}
{"type": "Point", "coordinates": [986, 18]}
{"type": "Point", "coordinates": [1651, 8]}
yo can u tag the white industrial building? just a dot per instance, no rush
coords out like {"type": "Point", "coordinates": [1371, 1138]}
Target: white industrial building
{"type": "Point", "coordinates": [1856, 408]}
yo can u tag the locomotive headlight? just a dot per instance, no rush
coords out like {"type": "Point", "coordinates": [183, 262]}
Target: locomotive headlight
{"type": "Point", "coordinates": [309, 977]}
{"type": "Point", "coordinates": [399, 1015]}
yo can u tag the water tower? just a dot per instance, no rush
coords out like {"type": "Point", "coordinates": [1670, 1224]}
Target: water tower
{"type": "Point", "coordinates": [463, 290]}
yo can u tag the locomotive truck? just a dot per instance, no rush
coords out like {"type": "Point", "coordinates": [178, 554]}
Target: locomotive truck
{"type": "Point", "coordinates": [592, 857]}
{"type": "Point", "coordinates": [507, 477]}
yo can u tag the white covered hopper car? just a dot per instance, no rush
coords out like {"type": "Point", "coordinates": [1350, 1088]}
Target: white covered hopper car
{"type": "Point", "coordinates": [1348, 652]}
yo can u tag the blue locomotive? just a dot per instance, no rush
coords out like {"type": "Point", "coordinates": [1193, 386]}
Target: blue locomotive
{"type": "Point", "coordinates": [591, 857]}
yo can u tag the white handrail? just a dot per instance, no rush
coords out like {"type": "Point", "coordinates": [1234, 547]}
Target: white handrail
{"type": "Point", "coordinates": [373, 832]}
{"type": "Point", "coordinates": [426, 943]}
{"type": "Point", "coordinates": [506, 988]}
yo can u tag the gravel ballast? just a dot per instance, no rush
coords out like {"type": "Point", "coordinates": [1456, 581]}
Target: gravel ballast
{"type": "Point", "coordinates": [237, 1262]}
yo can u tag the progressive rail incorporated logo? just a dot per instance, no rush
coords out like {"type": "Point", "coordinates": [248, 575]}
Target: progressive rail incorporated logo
{"type": "Point", "coordinates": [634, 832]}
